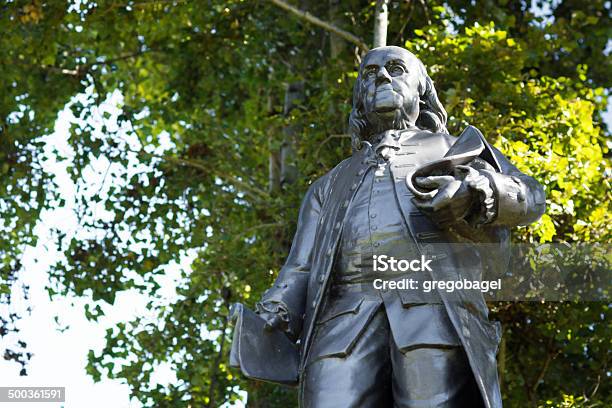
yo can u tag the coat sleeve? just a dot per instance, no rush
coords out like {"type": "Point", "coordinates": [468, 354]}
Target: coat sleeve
{"type": "Point", "coordinates": [289, 290]}
{"type": "Point", "coordinates": [519, 198]}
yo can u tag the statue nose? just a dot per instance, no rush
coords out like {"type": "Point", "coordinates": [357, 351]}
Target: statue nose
{"type": "Point", "coordinates": [383, 77]}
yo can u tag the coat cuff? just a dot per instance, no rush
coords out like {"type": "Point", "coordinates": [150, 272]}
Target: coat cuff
{"type": "Point", "coordinates": [277, 308]}
{"type": "Point", "coordinates": [512, 198]}
{"type": "Point", "coordinates": [274, 305]}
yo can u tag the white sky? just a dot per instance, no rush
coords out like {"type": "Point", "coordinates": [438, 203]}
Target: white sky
{"type": "Point", "coordinates": [59, 357]}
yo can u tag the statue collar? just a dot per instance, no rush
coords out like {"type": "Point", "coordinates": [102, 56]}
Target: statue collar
{"type": "Point", "coordinates": [390, 137]}
{"type": "Point", "coordinates": [386, 142]}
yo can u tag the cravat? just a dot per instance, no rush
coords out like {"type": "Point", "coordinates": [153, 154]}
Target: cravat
{"type": "Point", "coordinates": [389, 143]}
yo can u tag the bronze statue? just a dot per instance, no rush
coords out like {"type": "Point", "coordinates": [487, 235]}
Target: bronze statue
{"type": "Point", "coordinates": [409, 190]}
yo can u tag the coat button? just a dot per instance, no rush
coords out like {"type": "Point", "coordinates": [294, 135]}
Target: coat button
{"type": "Point", "coordinates": [337, 226]}
{"type": "Point", "coordinates": [329, 252]}
{"type": "Point", "coordinates": [314, 303]}
{"type": "Point", "coordinates": [345, 204]}
{"type": "Point", "coordinates": [373, 215]}
{"type": "Point", "coordinates": [354, 186]}
{"type": "Point", "coordinates": [321, 278]}
{"type": "Point", "coordinates": [360, 172]}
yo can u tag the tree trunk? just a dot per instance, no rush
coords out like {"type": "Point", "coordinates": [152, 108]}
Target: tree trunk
{"type": "Point", "coordinates": [273, 157]}
{"type": "Point", "coordinates": [381, 21]}
{"type": "Point", "coordinates": [273, 169]}
{"type": "Point", "coordinates": [288, 170]}
{"type": "Point", "coordinates": [336, 43]}
{"type": "Point", "coordinates": [304, 15]}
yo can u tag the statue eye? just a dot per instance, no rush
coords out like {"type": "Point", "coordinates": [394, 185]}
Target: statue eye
{"type": "Point", "coordinates": [396, 70]}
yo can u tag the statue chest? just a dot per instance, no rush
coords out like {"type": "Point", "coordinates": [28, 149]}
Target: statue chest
{"type": "Point", "coordinates": [343, 188]}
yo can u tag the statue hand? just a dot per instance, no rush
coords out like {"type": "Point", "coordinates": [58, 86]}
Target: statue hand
{"type": "Point", "coordinates": [276, 317]}
{"type": "Point", "coordinates": [450, 204]}
{"type": "Point", "coordinates": [274, 322]}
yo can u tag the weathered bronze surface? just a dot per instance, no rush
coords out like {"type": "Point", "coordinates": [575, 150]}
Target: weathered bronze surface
{"type": "Point", "coordinates": [409, 189]}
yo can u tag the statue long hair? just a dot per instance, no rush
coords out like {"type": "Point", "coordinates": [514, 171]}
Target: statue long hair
{"type": "Point", "coordinates": [432, 115]}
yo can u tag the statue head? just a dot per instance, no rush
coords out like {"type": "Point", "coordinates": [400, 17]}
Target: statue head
{"type": "Point", "coordinates": [393, 91]}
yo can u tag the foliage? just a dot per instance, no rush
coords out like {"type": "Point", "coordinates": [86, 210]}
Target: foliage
{"type": "Point", "coordinates": [202, 110]}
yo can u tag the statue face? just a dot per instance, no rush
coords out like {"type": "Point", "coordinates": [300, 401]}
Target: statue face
{"type": "Point", "coordinates": [390, 87]}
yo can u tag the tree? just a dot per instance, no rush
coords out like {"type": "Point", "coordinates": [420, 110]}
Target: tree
{"type": "Point", "coordinates": [212, 81]}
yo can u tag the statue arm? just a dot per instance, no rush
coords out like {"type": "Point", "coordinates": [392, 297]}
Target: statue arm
{"type": "Point", "coordinates": [287, 297]}
{"type": "Point", "coordinates": [518, 198]}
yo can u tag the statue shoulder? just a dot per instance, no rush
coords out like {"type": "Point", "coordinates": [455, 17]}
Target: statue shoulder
{"type": "Point", "coordinates": [331, 175]}
{"type": "Point", "coordinates": [321, 187]}
{"type": "Point", "coordinates": [435, 137]}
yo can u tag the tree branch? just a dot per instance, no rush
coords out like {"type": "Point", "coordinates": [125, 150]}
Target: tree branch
{"type": "Point", "coordinates": [523, 370]}
{"type": "Point", "coordinates": [260, 226]}
{"type": "Point", "coordinates": [217, 362]}
{"type": "Point", "coordinates": [304, 15]}
{"type": "Point", "coordinates": [340, 136]}
{"type": "Point", "coordinates": [256, 193]}
{"type": "Point", "coordinates": [133, 6]}
{"type": "Point", "coordinates": [400, 33]}
{"type": "Point", "coordinates": [81, 70]}
{"type": "Point", "coordinates": [552, 354]}
{"type": "Point", "coordinates": [230, 179]}
{"type": "Point", "coordinates": [426, 10]}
